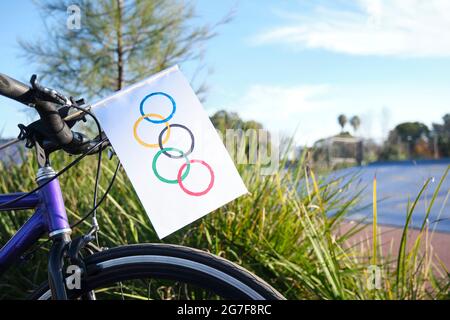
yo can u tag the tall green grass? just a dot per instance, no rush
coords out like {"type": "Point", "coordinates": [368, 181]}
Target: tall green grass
{"type": "Point", "coordinates": [282, 231]}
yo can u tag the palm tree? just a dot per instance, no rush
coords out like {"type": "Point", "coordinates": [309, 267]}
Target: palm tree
{"type": "Point", "coordinates": [342, 119]}
{"type": "Point", "coordinates": [355, 121]}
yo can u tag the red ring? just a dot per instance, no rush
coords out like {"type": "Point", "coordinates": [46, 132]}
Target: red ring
{"type": "Point", "coordinates": [201, 193]}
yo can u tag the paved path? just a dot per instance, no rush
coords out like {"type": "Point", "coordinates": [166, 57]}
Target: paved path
{"type": "Point", "coordinates": [397, 182]}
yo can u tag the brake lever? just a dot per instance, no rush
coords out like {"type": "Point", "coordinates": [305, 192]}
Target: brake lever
{"type": "Point", "coordinates": [45, 92]}
{"type": "Point", "coordinates": [64, 102]}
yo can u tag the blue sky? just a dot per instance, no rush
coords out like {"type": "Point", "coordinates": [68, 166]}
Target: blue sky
{"type": "Point", "coordinates": [299, 64]}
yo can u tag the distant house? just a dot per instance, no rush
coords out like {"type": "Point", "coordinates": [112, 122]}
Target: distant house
{"type": "Point", "coordinates": [341, 149]}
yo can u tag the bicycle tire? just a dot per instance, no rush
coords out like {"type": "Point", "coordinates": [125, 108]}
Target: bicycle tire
{"type": "Point", "coordinates": [173, 262]}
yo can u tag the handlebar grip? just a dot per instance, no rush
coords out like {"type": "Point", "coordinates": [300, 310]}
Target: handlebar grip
{"type": "Point", "coordinates": [15, 90]}
{"type": "Point", "coordinates": [58, 130]}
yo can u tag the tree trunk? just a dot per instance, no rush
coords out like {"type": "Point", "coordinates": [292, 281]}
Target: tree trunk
{"type": "Point", "coordinates": [119, 49]}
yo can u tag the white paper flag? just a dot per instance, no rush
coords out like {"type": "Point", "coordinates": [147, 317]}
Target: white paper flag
{"type": "Point", "coordinates": [170, 150]}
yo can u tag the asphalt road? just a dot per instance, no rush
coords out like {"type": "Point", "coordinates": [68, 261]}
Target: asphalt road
{"type": "Point", "coordinates": [398, 183]}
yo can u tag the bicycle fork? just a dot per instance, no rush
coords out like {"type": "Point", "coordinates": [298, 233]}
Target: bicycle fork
{"type": "Point", "coordinates": [56, 277]}
{"type": "Point", "coordinates": [59, 233]}
{"type": "Point", "coordinates": [58, 228]}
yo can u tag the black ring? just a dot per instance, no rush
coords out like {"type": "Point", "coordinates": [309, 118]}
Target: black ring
{"type": "Point", "coordinates": [168, 154]}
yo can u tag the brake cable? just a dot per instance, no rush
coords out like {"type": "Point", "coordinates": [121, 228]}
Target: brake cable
{"type": "Point", "coordinates": [76, 224]}
{"type": "Point", "coordinates": [71, 103]}
{"type": "Point", "coordinates": [70, 165]}
{"type": "Point", "coordinates": [96, 204]}
{"type": "Point", "coordinates": [27, 255]}
{"type": "Point", "coordinates": [95, 225]}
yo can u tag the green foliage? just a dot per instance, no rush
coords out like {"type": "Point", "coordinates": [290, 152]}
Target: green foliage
{"type": "Point", "coordinates": [282, 231]}
{"type": "Point", "coordinates": [407, 140]}
{"type": "Point", "coordinates": [119, 43]}
{"type": "Point", "coordinates": [342, 120]}
{"type": "Point", "coordinates": [410, 131]}
{"type": "Point", "coordinates": [355, 121]}
{"type": "Point", "coordinates": [223, 120]}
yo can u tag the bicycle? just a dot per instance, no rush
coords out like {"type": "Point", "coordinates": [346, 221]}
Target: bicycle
{"type": "Point", "coordinates": [99, 269]}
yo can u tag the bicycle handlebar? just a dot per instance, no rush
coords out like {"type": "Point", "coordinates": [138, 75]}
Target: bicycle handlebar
{"type": "Point", "coordinates": [53, 126]}
{"type": "Point", "coordinates": [15, 90]}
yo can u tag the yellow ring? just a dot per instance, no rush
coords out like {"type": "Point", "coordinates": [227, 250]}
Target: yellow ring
{"type": "Point", "coordinates": [139, 140]}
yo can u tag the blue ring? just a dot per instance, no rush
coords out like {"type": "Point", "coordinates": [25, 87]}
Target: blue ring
{"type": "Point", "coordinates": [174, 107]}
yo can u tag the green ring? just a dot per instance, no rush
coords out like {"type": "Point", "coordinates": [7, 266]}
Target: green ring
{"type": "Point", "coordinates": [155, 158]}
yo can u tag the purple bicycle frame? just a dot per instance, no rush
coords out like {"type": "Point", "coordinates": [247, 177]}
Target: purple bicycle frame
{"type": "Point", "coordinates": [50, 216]}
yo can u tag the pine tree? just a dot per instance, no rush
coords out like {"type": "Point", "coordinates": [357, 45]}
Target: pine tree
{"type": "Point", "coordinates": [118, 43]}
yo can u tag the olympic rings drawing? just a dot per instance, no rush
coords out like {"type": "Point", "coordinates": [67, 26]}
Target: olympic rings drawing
{"type": "Point", "coordinates": [180, 178]}
{"type": "Point", "coordinates": [155, 171]}
{"type": "Point", "coordinates": [163, 137]}
{"type": "Point", "coordinates": [161, 141]}
{"type": "Point", "coordinates": [174, 107]}
{"type": "Point", "coordinates": [150, 145]}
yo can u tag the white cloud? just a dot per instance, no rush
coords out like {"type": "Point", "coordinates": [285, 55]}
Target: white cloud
{"type": "Point", "coordinates": [377, 27]}
{"type": "Point", "coordinates": [288, 109]}
{"type": "Point", "coordinates": [311, 111]}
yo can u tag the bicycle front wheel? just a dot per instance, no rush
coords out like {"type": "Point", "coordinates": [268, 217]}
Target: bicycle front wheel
{"type": "Point", "coordinates": [151, 271]}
